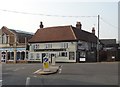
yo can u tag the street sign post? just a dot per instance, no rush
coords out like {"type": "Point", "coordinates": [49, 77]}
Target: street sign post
{"type": "Point", "coordinates": [45, 64]}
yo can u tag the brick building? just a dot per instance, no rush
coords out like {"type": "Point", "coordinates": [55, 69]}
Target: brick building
{"type": "Point", "coordinates": [13, 44]}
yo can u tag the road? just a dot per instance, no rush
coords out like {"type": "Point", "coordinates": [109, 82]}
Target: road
{"type": "Point", "coordinates": [70, 74]}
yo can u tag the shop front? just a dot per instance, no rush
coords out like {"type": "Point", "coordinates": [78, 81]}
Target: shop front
{"type": "Point", "coordinates": [7, 54]}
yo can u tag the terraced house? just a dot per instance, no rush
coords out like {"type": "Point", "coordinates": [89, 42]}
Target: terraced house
{"type": "Point", "coordinates": [65, 43]}
{"type": "Point", "coordinates": [13, 45]}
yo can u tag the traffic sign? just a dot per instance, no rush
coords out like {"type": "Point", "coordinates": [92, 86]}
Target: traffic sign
{"type": "Point", "coordinates": [45, 59]}
{"type": "Point", "coordinates": [45, 64]}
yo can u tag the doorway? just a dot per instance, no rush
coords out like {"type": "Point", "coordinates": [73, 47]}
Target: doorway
{"type": "Point", "coordinates": [43, 55]}
{"type": "Point", "coordinates": [3, 59]}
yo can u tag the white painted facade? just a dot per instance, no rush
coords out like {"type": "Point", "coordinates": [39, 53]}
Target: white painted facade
{"type": "Point", "coordinates": [63, 51]}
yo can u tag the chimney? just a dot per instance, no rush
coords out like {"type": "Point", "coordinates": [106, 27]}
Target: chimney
{"type": "Point", "coordinates": [78, 25]}
{"type": "Point", "coordinates": [93, 30]}
{"type": "Point", "coordinates": [41, 25]}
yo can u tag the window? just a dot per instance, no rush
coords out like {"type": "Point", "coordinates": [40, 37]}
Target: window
{"type": "Point", "coordinates": [48, 46]}
{"type": "Point", "coordinates": [71, 55]}
{"type": "Point", "coordinates": [4, 39]}
{"type": "Point", "coordinates": [63, 54]}
{"type": "Point", "coordinates": [82, 54]}
{"type": "Point", "coordinates": [64, 45]}
{"type": "Point", "coordinates": [37, 55]}
{"type": "Point", "coordinates": [36, 46]}
{"type": "Point", "coordinates": [31, 56]}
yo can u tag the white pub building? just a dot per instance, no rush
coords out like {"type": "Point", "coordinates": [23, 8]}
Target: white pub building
{"type": "Point", "coordinates": [65, 43]}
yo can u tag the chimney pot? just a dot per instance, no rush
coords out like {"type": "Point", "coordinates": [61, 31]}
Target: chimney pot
{"type": "Point", "coordinates": [78, 25]}
{"type": "Point", "coordinates": [41, 25]}
{"type": "Point", "coordinates": [93, 30]}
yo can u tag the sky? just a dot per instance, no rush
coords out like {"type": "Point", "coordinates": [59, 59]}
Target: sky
{"type": "Point", "coordinates": [28, 14]}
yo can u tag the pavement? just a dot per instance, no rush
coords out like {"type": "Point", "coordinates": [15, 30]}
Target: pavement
{"type": "Point", "coordinates": [52, 70]}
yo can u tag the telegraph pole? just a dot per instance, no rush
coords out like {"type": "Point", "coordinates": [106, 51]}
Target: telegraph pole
{"type": "Point", "coordinates": [15, 50]}
{"type": "Point", "coordinates": [25, 49]}
{"type": "Point", "coordinates": [98, 39]}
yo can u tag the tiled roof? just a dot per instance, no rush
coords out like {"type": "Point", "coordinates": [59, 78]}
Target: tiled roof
{"type": "Point", "coordinates": [84, 35]}
{"type": "Point", "coordinates": [20, 35]}
{"type": "Point", "coordinates": [62, 33]}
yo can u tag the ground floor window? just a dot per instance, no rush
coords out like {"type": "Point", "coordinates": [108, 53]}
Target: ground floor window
{"type": "Point", "coordinates": [31, 56]}
{"type": "Point", "coordinates": [18, 55]}
{"type": "Point", "coordinates": [83, 54]}
{"type": "Point", "coordinates": [12, 56]}
{"type": "Point", "coordinates": [71, 55]}
{"type": "Point", "coordinates": [22, 55]}
{"type": "Point", "coordinates": [62, 54]}
{"type": "Point", "coordinates": [37, 56]}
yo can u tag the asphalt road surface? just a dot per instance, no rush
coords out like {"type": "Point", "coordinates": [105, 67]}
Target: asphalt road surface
{"type": "Point", "coordinates": [69, 74]}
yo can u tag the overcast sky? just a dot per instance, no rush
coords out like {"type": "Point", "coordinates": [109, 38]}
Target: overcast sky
{"type": "Point", "coordinates": [47, 10]}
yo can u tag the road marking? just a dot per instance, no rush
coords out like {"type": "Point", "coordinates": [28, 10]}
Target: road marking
{"type": "Point", "coordinates": [0, 80]}
{"type": "Point", "coordinates": [27, 81]}
{"type": "Point", "coordinates": [18, 68]}
{"type": "Point", "coordinates": [15, 69]}
{"type": "Point", "coordinates": [37, 71]}
{"type": "Point", "coordinates": [34, 76]}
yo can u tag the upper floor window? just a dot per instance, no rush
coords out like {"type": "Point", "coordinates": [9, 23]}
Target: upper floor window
{"type": "Point", "coordinates": [48, 46]}
{"type": "Point", "coordinates": [4, 39]}
{"type": "Point", "coordinates": [36, 46]}
{"type": "Point", "coordinates": [64, 45]}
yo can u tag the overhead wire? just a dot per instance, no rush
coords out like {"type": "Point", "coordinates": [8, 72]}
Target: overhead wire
{"type": "Point", "coordinates": [108, 23]}
{"type": "Point", "coordinates": [12, 11]}
{"type": "Point", "coordinates": [51, 15]}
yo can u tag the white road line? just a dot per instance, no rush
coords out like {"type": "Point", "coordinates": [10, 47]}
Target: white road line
{"type": "Point", "coordinates": [18, 68]}
{"type": "Point", "coordinates": [34, 76]}
{"type": "Point", "coordinates": [27, 81]}
{"type": "Point", "coordinates": [1, 80]}
{"type": "Point", "coordinates": [15, 69]}
{"type": "Point", "coordinates": [37, 71]}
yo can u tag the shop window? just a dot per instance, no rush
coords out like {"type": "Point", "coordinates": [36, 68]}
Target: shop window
{"type": "Point", "coordinates": [82, 54]}
{"type": "Point", "coordinates": [18, 56]}
{"type": "Point", "coordinates": [22, 55]}
{"type": "Point", "coordinates": [12, 56]}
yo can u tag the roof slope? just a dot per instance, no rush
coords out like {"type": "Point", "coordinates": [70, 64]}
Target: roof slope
{"type": "Point", "coordinates": [62, 33]}
{"type": "Point", "coordinates": [84, 35]}
{"type": "Point", "coordinates": [20, 35]}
